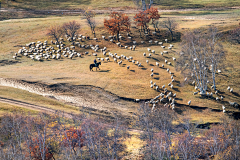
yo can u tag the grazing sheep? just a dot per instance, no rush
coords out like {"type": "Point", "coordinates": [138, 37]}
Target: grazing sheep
{"type": "Point", "coordinates": [152, 70]}
{"type": "Point", "coordinates": [151, 75]}
{"type": "Point", "coordinates": [223, 107]}
{"type": "Point", "coordinates": [174, 58]}
{"type": "Point", "coordinates": [133, 61]}
{"type": "Point", "coordinates": [157, 64]}
{"type": "Point", "coordinates": [194, 93]}
{"type": "Point", "coordinates": [171, 86]}
{"type": "Point", "coordinates": [174, 95]}
{"type": "Point", "coordinates": [151, 82]}
{"type": "Point", "coordinates": [147, 61]}
{"type": "Point", "coordinates": [163, 86]}
{"type": "Point", "coordinates": [139, 65]}
{"type": "Point", "coordinates": [216, 92]}
{"type": "Point", "coordinates": [153, 51]}
{"type": "Point", "coordinates": [150, 55]}
{"type": "Point", "coordinates": [162, 65]}
{"type": "Point", "coordinates": [155, 84]}
{"type": "Point", "coordinates": [149, 50]}
{"type": "Point", "coordinates": [185, 79]}
{"type": "Point", "coordinates": [217, 99]}
{"type": "Point", "coordinates": [151, 86]}
{"type": "Point", "coordinates": [221, 97]}
{"type": "Point", "coordinates": [144, 54]}
{"type": "Point", "coordinates": [169, 63]}
{"type": "Point", "coordinates": [163, 46]}
{"type": "Point", "coordinates": [189, 102]}
{"type": "Point", "coordinates": [165, 52]}
{"type": "Point", "coordinates": [231, 90]}
{"type": "Point", "coordinates": [234, 104]}
{"type": "Point", "coordinates": [165, 61]}
{"type": "Point", "coordinates": [107, 59]}
{"type": "Point", "coordinates": [162, 53]}
{"type": "Point", "coordinates": [228, 88]}
{"type": "Point", "coordinates": [157, 88]}
{"type": "Point", "coordinates": [167, 69]}
{"type": "Point", "coordinates": [219, 71]}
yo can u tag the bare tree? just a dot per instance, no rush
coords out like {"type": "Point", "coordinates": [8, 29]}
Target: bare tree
{"type": "Point", "coordinates": [193, 58]}
{"type": "Point", "coordinates": [71, 28]}
{"type": "Point", "coordinates": [216, 52]}
{"type": "Point", "coordinates": [171, 25]}
{"type": "Point", "coordinates": [55, 32]}
{"type": "Point", "coordinates": [89, 15]}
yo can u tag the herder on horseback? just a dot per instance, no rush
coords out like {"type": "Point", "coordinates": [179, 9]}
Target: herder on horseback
{"type": "Point", "coordinates": [96, 64]}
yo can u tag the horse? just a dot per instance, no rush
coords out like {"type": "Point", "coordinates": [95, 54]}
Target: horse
{"type": "Point", "coordinates": [93, 65]}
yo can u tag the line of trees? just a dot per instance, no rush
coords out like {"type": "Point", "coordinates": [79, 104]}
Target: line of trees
{"type": "Point", "coordinates": [45, 137]}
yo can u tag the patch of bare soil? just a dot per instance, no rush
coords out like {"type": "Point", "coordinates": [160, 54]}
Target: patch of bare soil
{"type": "Point", "coordinates": [89, 98]}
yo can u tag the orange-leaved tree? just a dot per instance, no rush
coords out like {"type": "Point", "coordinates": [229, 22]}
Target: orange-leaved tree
{"type": "Point", "coordinates": [153, 15]}
{"type": "Point", "coordinates": [39, 151]}
{"type": "Point", "coordinates": [73, 138]}
{"type": "Point", "coordinates": [118, 22]}
{"type": "Point", "coordinates": [142, 19]}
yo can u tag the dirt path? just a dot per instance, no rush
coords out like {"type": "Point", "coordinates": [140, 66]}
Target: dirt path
{"type": "Point", "coordinates": [31, 106]}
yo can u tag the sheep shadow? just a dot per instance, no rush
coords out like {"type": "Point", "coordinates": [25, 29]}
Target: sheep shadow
{"type": "Point", "coordinates": [157, 78]}
{"type": "Point", "coordinates": [144, 68]}
{"type": "Point", "coordinates": [156, 73]}
{"type": "Point", "coordinates": [177, 82]}
{"type": "Point", "coordinates": [198, 108]}
{"type": "Point", "coordinates": [132, 70]}
{"type": "Point", "coordinates": [156, 59]}
{"type": "Point", "coordinates": [178, 99]}
{"type": "Point", "coordinates": [235, 94]}
{"type": "Point", "coordinates": [176, 89]}
{"type": "Point", "coordinates": [151, 64]}
{"type": "Point", "coordinates": [216, 110]}
{"type": "Point", "coordinates": [104, 70]}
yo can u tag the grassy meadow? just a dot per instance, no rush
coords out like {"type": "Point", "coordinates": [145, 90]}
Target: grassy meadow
{"type": "Point", "coordinates": [132, 83]}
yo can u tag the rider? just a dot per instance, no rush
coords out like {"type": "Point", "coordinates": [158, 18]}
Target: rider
{"type": "Point", "coordinates": [95, 62]}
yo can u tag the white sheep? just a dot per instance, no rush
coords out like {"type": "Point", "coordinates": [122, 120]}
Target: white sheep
{"type": "Point", "coordinates": [162, 65]}
{"type": "Point", "coordinates": [165, 61]}
{"type": "Point", "coordinates": [151, 74]}
{"type": "Point", "coordinates": [162, 53]}
{"type": "Point", "coordinates": [151, 86]}
{"type": "Point", "coordinates": [185, 79]}
{"type": "Point", "coordinates": [144, 54]}
{"type": "Point", "coordinates": [153, 51]}
{"type": "Point", "coordinates": [147, 61]}
{"type": "Point", "coordinates": [189, 102]}
{"type": "Point", "coordinates": [150, 55]}
{"type": "Point", "coordinates": [152, 70]}
{"type": "Point", "coordinates": [149, 50]}
{"type": "Point", "coordinates": [167, 69]}
{"type": "Point", "coordinates": [231, 90]}
{"type": "Point", "coordinates": [174, 58]}
{"type": "Point", "coordinates": [228, 88]}
{"type": "Point", "coordinates": [157, 64]}
{"type": "Point", "coordinates": [151, 82]}
{"type": "Point", "coordinates": [171, 86]}
{"type": "Point", "coordinates": [163, 86]}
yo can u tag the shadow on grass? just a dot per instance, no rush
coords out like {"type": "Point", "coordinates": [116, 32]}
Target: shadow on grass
{"type": "Point", "coordinates": [157, 78]}
{"type": "Point", "coordinates": [104, 70]}
{"type": "Point", "coordinates": [236, 94]}
{"type": "Point", "coordinates": [132, 70]}
{"type": "Point", "coordinates": [156, 73]}
{"type": "Point", "coordinates": [144, 68]}
{"type": "Point", "coordinates": [176, 89]}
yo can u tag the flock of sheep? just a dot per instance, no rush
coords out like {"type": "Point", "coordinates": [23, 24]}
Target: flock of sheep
{"type": "Point", "coordinates": [57, 50]}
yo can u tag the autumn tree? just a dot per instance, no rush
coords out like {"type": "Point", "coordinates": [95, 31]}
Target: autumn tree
{"type": "Point", "coordinates": [73, 138]}
{"type": "Point", "coordinates": [71, 28]}
{"type": "Point", "coordinates": [89, 15]}
{"type": "Point", "coordinates": [55, 32]}
{"type": "Point", "coordinates": [171, 25]}
{"type": "Point", "coordinates": [153, 16]}
{"type": "Point", "coordinates": [142, 19]}
{"type": "Point", "coordinates": [118, 22]}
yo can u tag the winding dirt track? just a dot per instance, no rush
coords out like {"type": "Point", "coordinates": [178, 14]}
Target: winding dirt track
{"type": "Point", "coordinates": [31, 106]}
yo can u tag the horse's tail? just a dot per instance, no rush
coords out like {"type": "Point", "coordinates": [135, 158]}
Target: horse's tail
{"type": "Point", "coordinates": [90, 67]}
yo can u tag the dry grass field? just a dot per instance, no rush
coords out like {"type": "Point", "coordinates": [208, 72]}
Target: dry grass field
{"type": "Point", "coordinates": [132, 83]}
